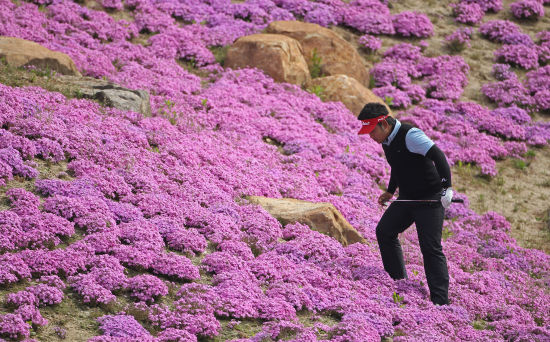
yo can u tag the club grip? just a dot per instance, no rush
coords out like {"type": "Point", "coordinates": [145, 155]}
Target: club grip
{"type": "Point", "coordinates": [457, 200]}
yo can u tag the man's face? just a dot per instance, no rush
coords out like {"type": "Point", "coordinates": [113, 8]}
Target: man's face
{"type": "Point", "coordinates": [380, 132]}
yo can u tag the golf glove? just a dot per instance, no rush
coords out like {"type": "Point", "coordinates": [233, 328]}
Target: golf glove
{"type": "Point", "coordinates": [446, 197]}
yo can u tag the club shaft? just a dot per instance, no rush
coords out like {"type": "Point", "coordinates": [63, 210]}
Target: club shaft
{"type": "Point", "coordinates": [457, 200]}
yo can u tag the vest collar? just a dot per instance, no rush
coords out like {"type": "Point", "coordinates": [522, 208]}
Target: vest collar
{"type": "Point", "coordinates": [392, 135]}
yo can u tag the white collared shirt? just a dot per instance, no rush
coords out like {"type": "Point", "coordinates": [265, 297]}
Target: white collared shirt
{"type": "Point", "coordinates": [415, 140]}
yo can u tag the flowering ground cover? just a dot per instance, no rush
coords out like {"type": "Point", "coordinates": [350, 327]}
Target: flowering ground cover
{"type": "Point", "coordinates": [142, 223]}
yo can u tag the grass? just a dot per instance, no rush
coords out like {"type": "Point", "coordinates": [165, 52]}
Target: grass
{"type": "Point", "coordinates": [482, 323]}
{"type": "Point", "coordinates": [388, 100]}
{"type": "Point", "coordinates": [220, 53]}
{"type": "Point", "coordinates": [446, 233]}
{"type": "Point", "coordinates": [520, 164]}
{"type": "Point", "coordinates": [472, 173]}
{"type": "Point", "coordinates": [78, 320]}
{"type": "Point", "coordinates": [43, 78]}
{"type": "Point", "coordinates": [245, 328]}
{"type": "Point", "coordinates": [455, 47]}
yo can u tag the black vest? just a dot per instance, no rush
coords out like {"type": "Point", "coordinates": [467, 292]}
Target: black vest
{"type": "Point", "coordinates": [414, 174]}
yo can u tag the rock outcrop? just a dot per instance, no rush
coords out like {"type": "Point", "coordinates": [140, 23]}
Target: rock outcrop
{"type": "Point", "coordinates": [337, 56]}
{"type": "Point", "coordinates": [347, 90]}
{"type": "Point", "coordinates": [322, 217]}
{"type": "Point", "coordinates": [109, 94]}
{"type": "Point", "coordinates": [278, 56]}
{"type": "Point", "coordinates": [21, 53]}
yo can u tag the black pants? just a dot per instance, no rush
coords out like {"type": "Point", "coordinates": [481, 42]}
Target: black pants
{"type": "Point", "coordinates": [429, 222]}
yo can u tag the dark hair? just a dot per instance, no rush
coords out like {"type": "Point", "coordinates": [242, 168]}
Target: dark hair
{"type": "Point", "coordinates": [374, 110]}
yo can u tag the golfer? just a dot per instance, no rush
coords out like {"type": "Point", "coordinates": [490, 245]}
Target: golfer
{"type": "Point", "coordinates": [421, 172]}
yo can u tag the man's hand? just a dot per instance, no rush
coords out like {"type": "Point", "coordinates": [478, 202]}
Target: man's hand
{"type": "Point", "coordinates": [446, 197]}
{"type": "Point", "coordinates": [386, 196]}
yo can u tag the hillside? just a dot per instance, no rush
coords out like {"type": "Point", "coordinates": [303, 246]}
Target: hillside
{"type": "Point", "coordinates": [120, 225]}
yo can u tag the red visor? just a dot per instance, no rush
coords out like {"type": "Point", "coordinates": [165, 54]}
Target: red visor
{"type": "Point", "coordinates": [368, 125]}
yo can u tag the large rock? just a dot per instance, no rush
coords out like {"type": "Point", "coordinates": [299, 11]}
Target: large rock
{"type": "Point", "coordinates": [337, 55]}
{"type": "Point", "coordinates": [322, 217]}
{"type": "Point", "coordinates": [19, 53]}
{"type": "Point", "coordinates": [109, 94]}
{"type": "Point", "coordinates": [278, 56]}
{"type": "Point", "coordinates": [346, 90]}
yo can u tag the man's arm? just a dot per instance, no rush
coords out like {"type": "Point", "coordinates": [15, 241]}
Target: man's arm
{"type": "Point", "coordinates": [418, 142]}
{"type": "Point", "coordinates": [392, 185]}
{"type": "Point", "coordinates": [441, 165]}
{"type": "Point", "coordinates": [388, 194]}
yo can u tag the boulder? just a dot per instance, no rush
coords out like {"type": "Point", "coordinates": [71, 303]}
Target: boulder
{"type": "Point", "coordinates": [109, 94]}
{"type": "Point", "coordinates": [278, 56]}
{"type": "Point", "coordinates": [19, 53]}
{"type": "Point", "coordinates": [321, 216]}
{"type": "Point", "coordinates": [347, 90]}
{"type": "Point", "coordinates": [337, 55]}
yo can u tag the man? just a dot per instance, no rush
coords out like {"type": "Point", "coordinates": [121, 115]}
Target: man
{"type": "Point", "coordinates": [421, 172]}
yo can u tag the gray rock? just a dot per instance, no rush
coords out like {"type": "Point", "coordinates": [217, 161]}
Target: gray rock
{"type": "Point", "coordinates": [110, 94]}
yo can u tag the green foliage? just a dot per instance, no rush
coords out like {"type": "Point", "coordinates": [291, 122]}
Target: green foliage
{"type": "Point", "coordinates": [317, 90]}
{"type": "Point", "coordinates": [77, 93]}
{"type": "Point", "coordinates": [220, 53]}
{"type": "Point", "coordinates": [455, 46]}
{"type": "Point", "coordinates": [372, 82]}
{"type": "Point", "coordinates": [530, 154]}
{"type": "Point", "coordinates": [398, 299]}
{"type": "Point", "coordinates": [192, 62]}
{"type": "Point", "coordinates": [399, 332]}
{"type": "Point", "coordinates": [117, 64]}
{"type": "Point", "coordinates": [245, 328]}
{"type": "Point", "coordinates": [388, 100]}
{"type": "Point", "coordinates": [316, 61]}
{"type": "Point", "coordinates": [480, 324]}
{"type": "Point", "coordinates": [446, 233]}
{"type": "Point", "coordinates": [42, 72]}
{"type": "Point", "coordinates": [169, 112]}
{"type": "Point", "coordinates": [466, 166]}
{"type": "Point", "coordinates": [520, 164]}
{"type": "Point", "coordinates": [539, 321]}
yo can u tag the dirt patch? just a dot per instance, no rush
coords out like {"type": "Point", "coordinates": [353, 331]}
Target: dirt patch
{"type": "Point", "coordinates": [520, 192]}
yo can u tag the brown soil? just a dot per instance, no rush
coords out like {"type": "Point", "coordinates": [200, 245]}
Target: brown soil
{"type": "Point", "coordinates": [520, 192]}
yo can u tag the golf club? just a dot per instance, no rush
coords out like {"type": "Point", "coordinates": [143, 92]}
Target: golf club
{"type": "Point", "coordinates": [454, 200]}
